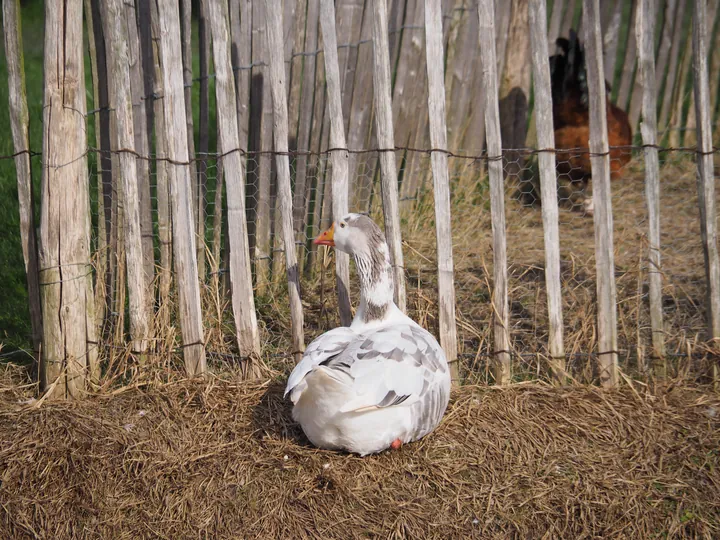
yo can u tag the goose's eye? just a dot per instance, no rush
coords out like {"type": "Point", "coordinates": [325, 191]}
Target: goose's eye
{"type": "Point", "coordinates": [342, 225]}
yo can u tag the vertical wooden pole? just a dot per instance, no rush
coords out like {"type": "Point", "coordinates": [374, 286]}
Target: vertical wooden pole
{"type": "Point", "coordinates": [386, 143]}
{"type": "Point", "coordinates": [142, 142]}
{"type": "Point", "coordinates": [671, 77]}
{"type": "Point", "coordinates": [628, 69]}
{"type": "Point", "coordinates": [280, 126]}
{"type": "Point", "coordinates": [161, 176]}
{"type": "Point", "coordinates": [600, 163]}
{"type": "Point", "coordinates": [19, 125]}
{"type": "Point", "coordinates": [187, 70]}
{"type": "Point", "coordinates": [203, 132]}
{"type": "Point", "coordinates": [645, 29]}
{"type": "Point", "coordinates": [555, 20]}
{"type": "Point", "coordinates": [611, 37]}
{"type": "Point", "coordinates": [441, 184]}
{"type": "Point", "coordinates": [338, 155]}
{"type": "Point", "coordinates": [121, 103]}
{"type": "Point", "coordinates": [548, 183]}
{"type": "Point", "coordinates": [706, 173]}
{"type": "Point", "coordinates": [69, 348]}
{"type": "Point", "coordinates": [501, 332]}
{"type": "Point", "coordinates": [180, 190]}
{"type": "Point", "coordinates": [243, 302]}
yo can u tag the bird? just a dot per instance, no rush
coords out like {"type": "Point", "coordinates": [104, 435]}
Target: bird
{"type": "Point", "coordinates": [379, 383]}
{"type": "Point", "coordinates": [571, 118]}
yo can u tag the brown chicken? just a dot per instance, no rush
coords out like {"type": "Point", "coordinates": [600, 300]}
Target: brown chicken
{"type": "Point", "coordinates": [571, 117]}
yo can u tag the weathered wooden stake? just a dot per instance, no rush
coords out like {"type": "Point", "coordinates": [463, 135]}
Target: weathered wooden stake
{"type": "Point", "coordinates": [280, 127]}
{"type": "Point", "coordinates": [706, 173]}
{"type": "Point", "coordinates": [441, 184]}
{"type": "Point", "coordinates": [243, 303]}
{"type": "Point", "coordinates": [645, 30]}
{"type": "Point", "coordinates": [121, 103]}
{"type": "Point", "coordinates": [69, 346]}
{"type": "Point", "coordinates": [338, 156]}
{"type": "Point", "coordinates": [501, 331]}
{"type": "Point", "coordinates": [548, 183]}
{"type": "Point", "coordinates": [19, 124]}
{"type": "Point", "coordinates": [386, 143]}
{"type": "Point", "coordinates": [180, 190]}
{"type": "Point", "coordinates": [600, 162]}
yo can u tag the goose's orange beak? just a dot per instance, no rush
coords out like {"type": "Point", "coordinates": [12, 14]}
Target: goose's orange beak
{"type": "Point", "coordinates": [326, 238]}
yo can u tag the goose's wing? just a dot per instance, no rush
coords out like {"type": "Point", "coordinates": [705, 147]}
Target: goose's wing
{"type": "Point", "coordinates": [392, 366]}
{"type": "Point", "coordinates": [322, 349]}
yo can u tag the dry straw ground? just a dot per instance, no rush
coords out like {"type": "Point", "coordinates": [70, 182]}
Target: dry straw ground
{"type": "Point", "coordinates": [224, 460]}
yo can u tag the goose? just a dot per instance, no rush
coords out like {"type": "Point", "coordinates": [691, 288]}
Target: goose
{"type": "Point", "coordinates": [379, 383]}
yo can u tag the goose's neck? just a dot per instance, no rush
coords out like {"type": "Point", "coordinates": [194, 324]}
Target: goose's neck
{"type": "Point", "coordinates": [376, 284]}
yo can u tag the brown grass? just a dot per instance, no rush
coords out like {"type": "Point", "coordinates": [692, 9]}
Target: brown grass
{"type": "Point", "coordinates": [224, 460]}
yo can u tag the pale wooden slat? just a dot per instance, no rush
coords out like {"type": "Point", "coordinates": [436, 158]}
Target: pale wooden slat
{"type": "Point", "coordinates": [260, 135]}
{"type": "Point", "coordinates": [338, 156]}
{"type": "Point", "coordinates": [386, 143]}
{"type": "Point", "coordinates": [603, 219]}
{"type": "Point", "coordinates": [706, 178]}
{"type": "Point", "coordinates": [637, 96]}
{"type": "Point", "coordinates": [645, 30]}
{"type": "Point", "coordinates": [243, 303]}
{"type": "Point", "coordinates": [161, 176]}
{"type": "Point", "coordinates": [683, 92]}
{"type": "Point", "coordinates": [503, 9]}
{"type": "Point", "coordinates": [296, 78]}
{"type": "Point", "coordinates": [187, 66]}
{"type": "Point", "coordinates": [115, 22]}
{"type": "Point", "coordinates": [19, 125]}
{"type": "Point", "coordinates": [555, 20]}
{"type": "Point", "coordinates": [611, 38]}
{"type": "Point", "coordinates": [203, 133]}
{"type": "Point", "coordinates": [568, 18]}
{"type": "Point", "coordinates": [671, 77]}
{"type": "Point", "coordinates": [68, 348]}
{"type": "Point", "coordinates": [179, 179]}
{"type": "Point", "coordinates": [349, 15]}
{"type": "Point", "coordinates": [279, 98]}
{"type": "Point", "coordinates": [663, 55]}
{"type": "Point", "coordinates": [441, 184]}
{"type": "Point", "coordinates": [501, 335]}
{"type": "Point", "coordinates": [142, 142]}
{"type": "Point", "coordinates": [548, 183]}
{"type": "Point", "coordinates": [628, 69]}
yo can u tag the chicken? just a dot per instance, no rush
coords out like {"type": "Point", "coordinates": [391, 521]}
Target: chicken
{"type": "Point", "coordinates": [571, 118]}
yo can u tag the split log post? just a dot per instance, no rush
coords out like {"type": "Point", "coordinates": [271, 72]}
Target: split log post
{"type": "Point", "coordinates": [243, 302]}
{"type": "Point", "coordinates": [603, 220]}
{"type": "Point", "coordinates": [706, 178]}
{"type": "Point", "coordinates": [338, 154]}
{"type": "Point", "coordinates": [19, 125]}
{"type": "Point", "coordinates": [69, 348]}
{"type": "Point", "coordinates": [441, 182]}
{"type": "Point", "coordinates": [181, 190]}
{"type": "Point", "coordinates": [284, 190]}
{"type": "Point", "coordinates": [386, 144]}
{"type": "Point", "coordinates": [488, 60]}
{"type": "Point", "coordinates": [645, 30]}
{"type": "Point", "coordinates": [548, 183]}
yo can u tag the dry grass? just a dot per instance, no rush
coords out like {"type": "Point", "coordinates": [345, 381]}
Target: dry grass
{"type": "Point", "coordinates": [224, 460]}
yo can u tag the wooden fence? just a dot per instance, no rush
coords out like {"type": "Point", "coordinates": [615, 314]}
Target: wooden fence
{"type": "Point", "coordinates": [280, 110]}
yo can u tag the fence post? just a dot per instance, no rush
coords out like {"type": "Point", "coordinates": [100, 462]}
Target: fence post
{"type": "Point", "coordinates": [338, 155]}
{"type": "Point", "coordinates": [180, 190]}
{"type": "Point", "coordinates": [187, 67]}
{"type": "Point", "coordinates": [280, 125]}
{"type": "Point", "coordinates": [386, 143]}
{"type": "Point", "coordinates": [548, 183]}
{"type": "Point", "coordinates": [19, 124]}
{"type": "Point", "coordinates": [204, 133]}
{"type": "Point", "coordinates": [488, 61]}
{"type": "Point", "coordinates": [69, 341]}
{"type": "Point", "coordinates": [438, 140]}
{"type": "Point", "coordinates": [600, 163]}
{"type": "Point", "coordinates": [121, 103]}
{"type": "Point", "coordinates": [706, 178]}
{"type": "Point", "coordinates": [243, 303]}
{"type": "Point", "coordinates": [645, 29]}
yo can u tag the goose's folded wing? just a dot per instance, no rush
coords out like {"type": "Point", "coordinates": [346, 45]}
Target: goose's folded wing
{"type": "Point", "coordinates": [392, 366]}
{"type": "Point", "coordinates": [323, 348]}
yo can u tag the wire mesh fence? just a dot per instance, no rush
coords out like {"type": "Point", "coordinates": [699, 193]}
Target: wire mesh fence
{"type": "Point", "coordinates": [684, 282]}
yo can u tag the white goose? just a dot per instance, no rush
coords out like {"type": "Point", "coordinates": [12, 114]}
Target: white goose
{"type": "Point", "coordinates": [382, 381]}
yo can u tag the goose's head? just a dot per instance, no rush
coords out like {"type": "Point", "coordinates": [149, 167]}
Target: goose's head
{"type": "Point", "coordinates": [355, 234]}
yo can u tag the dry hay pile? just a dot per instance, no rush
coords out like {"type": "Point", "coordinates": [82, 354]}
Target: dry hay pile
{"type": "Point", "coordinates": [221, 460]}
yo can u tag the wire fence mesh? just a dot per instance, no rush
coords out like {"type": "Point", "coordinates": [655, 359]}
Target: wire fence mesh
{"type": "Point", "coordinates": [684, 285]}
